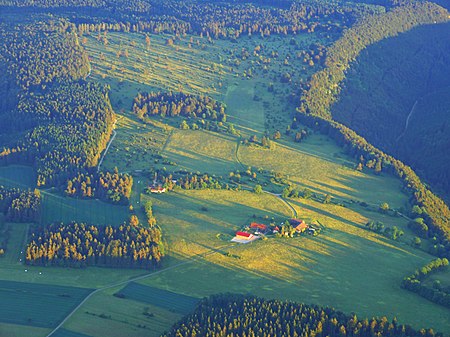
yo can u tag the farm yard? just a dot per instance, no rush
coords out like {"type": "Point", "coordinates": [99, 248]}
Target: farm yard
{"type": "Point", "coordinates": [257, 79]}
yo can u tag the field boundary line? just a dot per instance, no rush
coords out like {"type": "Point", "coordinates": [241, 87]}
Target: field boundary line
{"type": "Point", "coordinates": [137, 278]}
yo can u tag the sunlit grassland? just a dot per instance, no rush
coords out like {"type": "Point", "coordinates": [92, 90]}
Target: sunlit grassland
{"type": "Point", "coordinates": [202, 151]}
{"type": "Point", "coordinates": [346, 266]}
{"type": "Point", "coordinates": [319, 165]}
{"type": "Point", "coordinates": [197, 221]}
{"type": "Point", "coordinates": [161, 66]}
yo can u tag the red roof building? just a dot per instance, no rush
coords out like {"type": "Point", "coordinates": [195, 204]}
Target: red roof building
{"type": "Point", "coordinates": [244, 234]}
{"type": "Point", "coordinates": [258, 226]}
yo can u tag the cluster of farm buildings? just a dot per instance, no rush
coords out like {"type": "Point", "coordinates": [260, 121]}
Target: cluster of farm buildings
{"type": "Point", "coordinates": [257, 230]}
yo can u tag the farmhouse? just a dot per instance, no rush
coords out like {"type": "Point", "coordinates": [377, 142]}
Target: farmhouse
{"type": "Point", "coordinates": [157, 189]}
{"type": "Point", "coordinates": [244, 237]}
{"type": "Point", "coordinates": [299, 225]}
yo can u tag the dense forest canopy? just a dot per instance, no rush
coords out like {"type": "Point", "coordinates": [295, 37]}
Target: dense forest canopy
{"type": "Point", "coordinates": [378, 89]}
{"type": "Point", "coordinates": [236, 315]}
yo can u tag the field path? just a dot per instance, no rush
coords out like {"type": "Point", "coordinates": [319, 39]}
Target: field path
{"type": "Point", "coordinates": [167, 140]}
{"type": "Point", "coordinates": [407, 121]}
{"type": "Point", "coordinates": [114, 133]}
{"type": "Point", "coordinates": [190, 260]}
{"type": "Point", "coordinates": [284, 201]}
{"type": "Point", "coordinates": [236, 154]}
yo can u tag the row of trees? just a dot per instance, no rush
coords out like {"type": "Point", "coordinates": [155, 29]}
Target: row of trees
{"type": "Point", "coordinates": [20, 206]}
{"type": "Point", "coordinates": [435, 293]}
{"type": "Point", "coordinates": [324, 86]}
{"type": "Point", "coordinates": [236, 315]}
{"type": "Point", "coordinates": [79, 245]}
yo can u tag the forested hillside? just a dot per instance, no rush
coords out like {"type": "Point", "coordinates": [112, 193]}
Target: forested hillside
{"type": "Point", "coordinates": [412, 122]}
{"type": "Point", "coordinates": [56, 122]}
{"type": "Point", "coordinates": [234, 315]}
{"type": "Point", "coordinates": [324, 89]}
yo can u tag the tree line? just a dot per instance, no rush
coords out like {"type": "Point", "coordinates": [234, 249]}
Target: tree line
{"type": "Point", "coordinates": [79, 245]}
{"type": "Point", "coordinates": [324, 88]}
{"type": "Point", "coordinates": [19, 205]}
{"type": "Point", "coordinates": [231, 315]}
{"type": "Point", "coordinates": [435, 293]}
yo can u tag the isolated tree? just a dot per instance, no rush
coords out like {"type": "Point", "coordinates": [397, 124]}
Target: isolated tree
{"type": "Point", "coordinates": [384, 207]}
{"type": "Point", "coordinates": [258, 189]}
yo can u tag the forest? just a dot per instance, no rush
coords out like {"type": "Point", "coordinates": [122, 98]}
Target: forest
{"type": "Point", "coordinates": [367, 95]}
{"type": "Point", "coordinates": [324, 88]}
{"type": "Point", "coordinates": [79, 245]}
{"type": "Point", "coordinates": [237, 315]}
{"type": "Point", "coordinates": [59, 124]}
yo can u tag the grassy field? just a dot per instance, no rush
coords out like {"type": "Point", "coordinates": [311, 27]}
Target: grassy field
{"type": "Point", "coordinates": [25, 303]}
{"type": "Point", "coordinates": [202, 151]}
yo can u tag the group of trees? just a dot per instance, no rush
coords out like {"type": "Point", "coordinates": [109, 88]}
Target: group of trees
{"type": "Point", "coordinates": [79, 245]}
{"type": "Point", "coordinates": [434, 293]}
{"type": "Point", "coordinates": [112, 187]}
{"type": "Point", "coordinates": [314, 110]}
{"type": "Point", "coordinates": [20, 206]}
{"type": "Point", "coordinates": [236, 315]}
{"type": "Point", "coordinates": [178, 104]}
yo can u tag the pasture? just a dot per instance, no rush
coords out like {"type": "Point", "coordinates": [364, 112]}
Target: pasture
{"type": "Point", "coordinates": [25, 303]}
